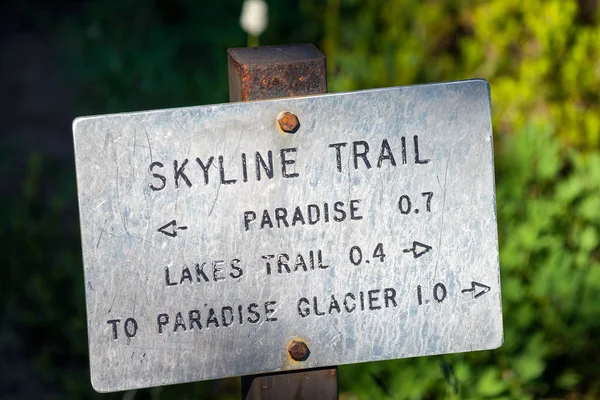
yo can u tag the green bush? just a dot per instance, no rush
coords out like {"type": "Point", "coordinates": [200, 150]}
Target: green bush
{"type": "Point", "coordinates": [542, 60]}
{"type": "Point", "coordinates": [541, 57]}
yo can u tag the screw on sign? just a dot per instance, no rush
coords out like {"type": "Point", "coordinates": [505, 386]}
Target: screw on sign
{"type": "Point", "coordinates": [298, 350]}
{"type": "Point", "coordinates": [283, 254]}
{"type": "Point", "coordinates": [288, 122]}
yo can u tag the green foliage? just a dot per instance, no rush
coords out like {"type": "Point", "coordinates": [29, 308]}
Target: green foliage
{"type": "Point", "coordinates": [542, 61]}
{"type": "Point", "coordinates": [541, 57]}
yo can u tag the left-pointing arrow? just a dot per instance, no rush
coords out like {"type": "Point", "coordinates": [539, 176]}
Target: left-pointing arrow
{"type": "Point", "coordinates": [170, 229]}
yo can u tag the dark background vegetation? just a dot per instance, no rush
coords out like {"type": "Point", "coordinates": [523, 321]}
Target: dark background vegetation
{"type": "Point", "coordinates": [62, 59]}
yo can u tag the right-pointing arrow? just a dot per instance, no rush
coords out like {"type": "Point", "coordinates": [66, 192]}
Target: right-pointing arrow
{"type": "Point", "coordinates": [418, 249]}
{"type": "Point", "coordinates": [474, 285]}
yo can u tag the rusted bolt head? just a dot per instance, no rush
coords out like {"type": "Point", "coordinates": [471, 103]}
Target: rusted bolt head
{"type": "Point", "coordinates": [288, 122]}
{"type": "Point", "coordinates": [298, 350]}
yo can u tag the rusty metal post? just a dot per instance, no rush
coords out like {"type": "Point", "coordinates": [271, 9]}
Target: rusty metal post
{"type": "Point", "coordinates": [259, 73]}
{"type": "Point", "coordinates": [309, 384]}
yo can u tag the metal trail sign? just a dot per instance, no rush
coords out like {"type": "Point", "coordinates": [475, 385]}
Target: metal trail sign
{"type": "Point", "coordinates": [215, 238]}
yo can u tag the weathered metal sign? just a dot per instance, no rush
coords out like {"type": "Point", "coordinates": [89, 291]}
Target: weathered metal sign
{"type": "Point", "coordinates": [217, 245]}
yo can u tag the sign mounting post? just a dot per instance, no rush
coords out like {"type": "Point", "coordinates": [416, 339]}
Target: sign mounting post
{"type": "Point", "coordinates": [268, 72]}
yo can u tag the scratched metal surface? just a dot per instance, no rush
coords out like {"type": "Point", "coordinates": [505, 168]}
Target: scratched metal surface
{"type": "Point", "coordinates": [126, 255]}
